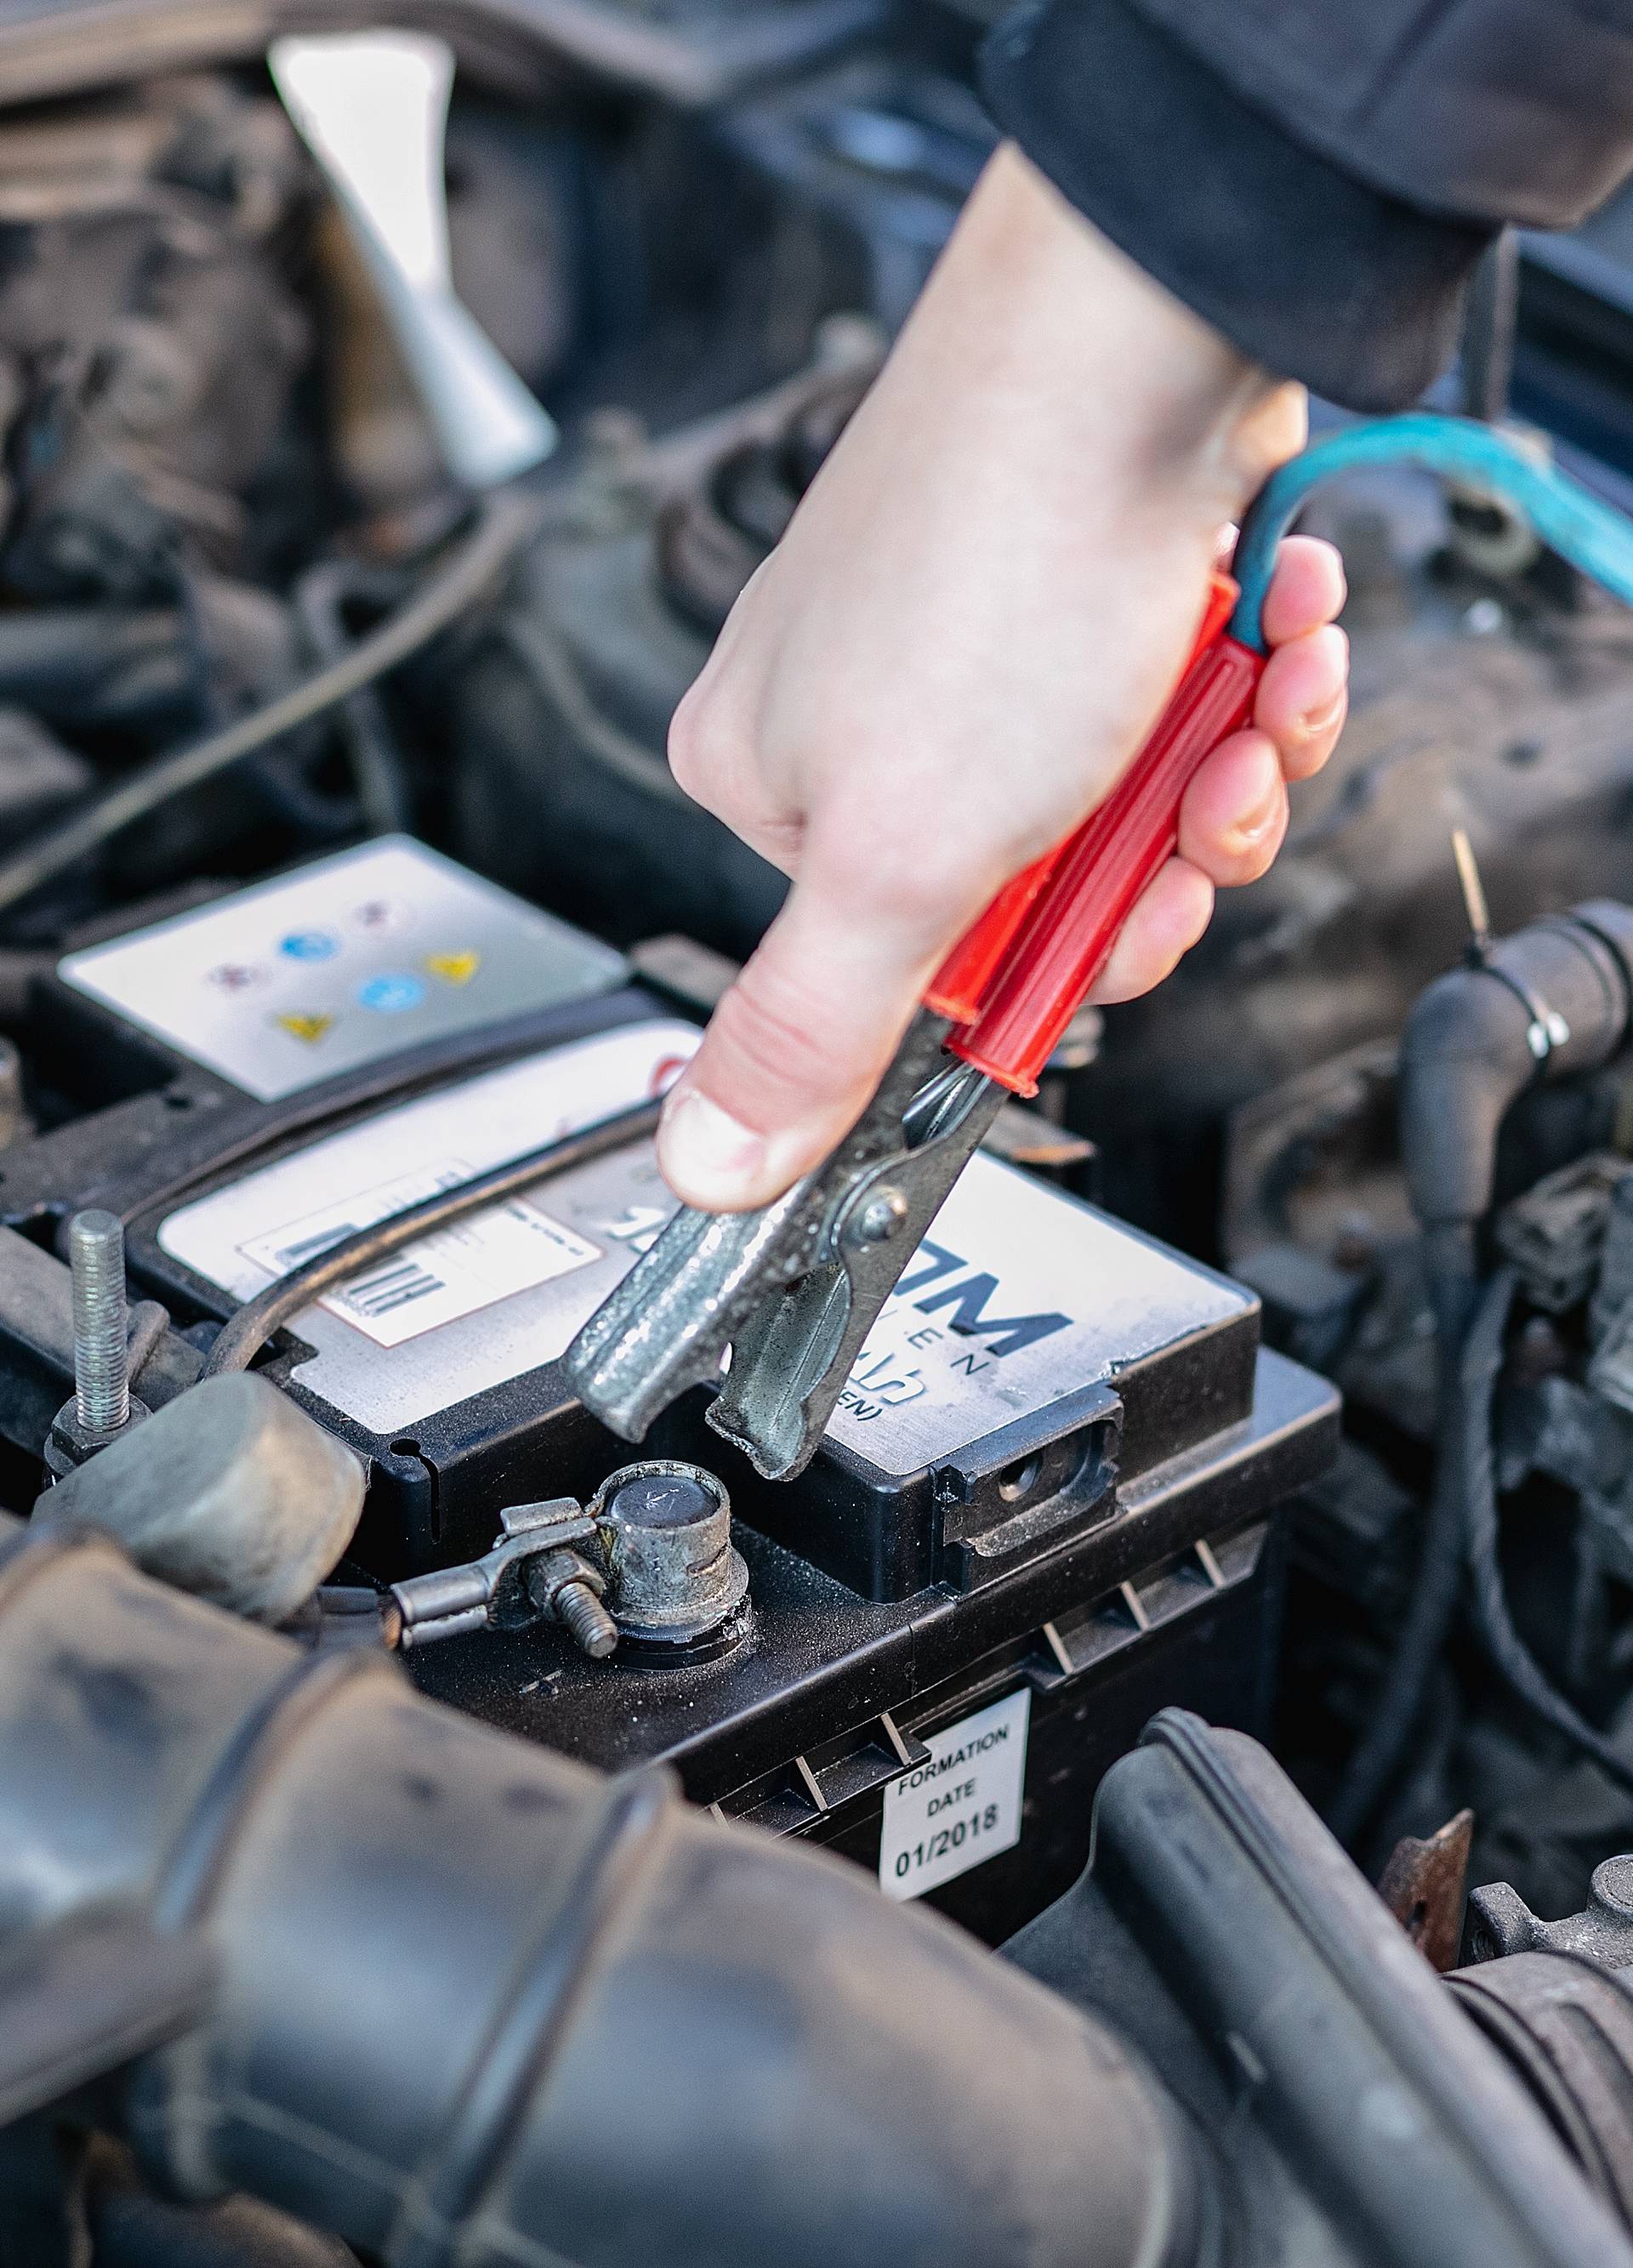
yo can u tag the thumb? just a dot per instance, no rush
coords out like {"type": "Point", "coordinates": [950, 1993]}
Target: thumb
{"type": "Point", "coordinates": [796, 1047]}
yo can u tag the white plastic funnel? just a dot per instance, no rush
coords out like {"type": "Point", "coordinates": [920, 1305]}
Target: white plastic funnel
{"type": "Point", "coordinates": [372, 107]}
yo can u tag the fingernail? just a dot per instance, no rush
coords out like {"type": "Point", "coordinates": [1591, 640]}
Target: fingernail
{"type": "Point", "coordinates": [1257, 823]}
{"type": "Point", "coordinates": [1314, 722]}
{"type": "Point", "coordinates": [709, 1158]}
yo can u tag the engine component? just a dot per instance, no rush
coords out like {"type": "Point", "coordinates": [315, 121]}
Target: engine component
{"type": "Point", "coordinates": [676, 1583]}
{"type": "Point", "coordinates": [231, 1492]}
{"type": "Point", "coordinates": [1367, 2118]}
{"type": "Point", "coordinates": [1550, 1001]}
{"type": "Point", "coordinates": [255, 1812]}
{"type": "Point", "coordinates": [372, 108]}
{"type": "Point", "coordinates": [564, 1584]}
{"type": "Point", "coordinates": [1275, 2003]}
{"type": "Point", "coordinates": [446, 594]}
{"type": "Point", "coordinates": [151, 333]}
{"type": "Point", "coordinates": [1553, 1000]}
{"type": "Point", "coordinates": [101, 1406]}
{"type": "Point", "coordinates": [1026, 1493]}
{"type": "Point", "coordinates": [518, 1583]}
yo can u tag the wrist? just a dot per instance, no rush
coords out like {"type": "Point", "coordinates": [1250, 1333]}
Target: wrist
{"type": "Point", "coordinates": [1097, 346]}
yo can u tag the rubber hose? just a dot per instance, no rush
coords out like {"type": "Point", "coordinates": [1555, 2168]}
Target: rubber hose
{"type": "Point", "coordinates": [477, 2004]}
{"type": "Point", "coordinates": [1510, 1657]}
{"type": "Point", "coordinates": [1468, 1051]}
{"type": "Point", "coordinates": [1436, 1582]}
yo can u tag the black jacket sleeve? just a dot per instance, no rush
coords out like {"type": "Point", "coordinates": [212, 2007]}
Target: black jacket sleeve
{"type": "Point", "coordinates": [1319, 177]}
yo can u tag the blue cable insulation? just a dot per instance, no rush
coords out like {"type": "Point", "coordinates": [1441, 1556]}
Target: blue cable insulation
{"type": "Point", "coordinates": [1592, 536]}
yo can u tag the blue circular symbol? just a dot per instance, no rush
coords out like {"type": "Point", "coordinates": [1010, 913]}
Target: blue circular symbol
{"type": "Point", "coordinates": [389, 995]}
{"type": "Point", "coordinates": [309, 945]}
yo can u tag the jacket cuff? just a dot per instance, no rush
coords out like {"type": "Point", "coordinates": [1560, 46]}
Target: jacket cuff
{"type": "Point", "coordinates": [1308, 270]}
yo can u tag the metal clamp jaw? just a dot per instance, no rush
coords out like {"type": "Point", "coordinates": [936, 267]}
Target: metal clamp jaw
{"type": "Point", "coordinates": [790, 1291]}
{"type": "Point", "coordinates": [494, 1592]}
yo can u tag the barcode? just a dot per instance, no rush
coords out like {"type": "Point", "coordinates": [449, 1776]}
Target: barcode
{"type": "Point", "coordinates": [289, 1256]}
{"type": "Point", "coordinates": [389, 1287]}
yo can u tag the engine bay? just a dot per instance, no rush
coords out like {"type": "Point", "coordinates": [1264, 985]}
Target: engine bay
{"type": "Point", "coordinates": [1214, 1594]}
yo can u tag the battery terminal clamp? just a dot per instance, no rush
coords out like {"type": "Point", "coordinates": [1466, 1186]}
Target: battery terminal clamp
{"type": "Point", "coordinates": [540, 1549]}
{"type": "Point", "coordinates": [790, 1293]}
{"type": "Point", "coordinates": [649, 1563]}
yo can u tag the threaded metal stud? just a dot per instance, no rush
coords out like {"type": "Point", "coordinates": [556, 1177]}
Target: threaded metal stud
{"type": "Point", "coordinates": [593, 1630]}
{"type": "Point", "coordinates": [96, 1252]}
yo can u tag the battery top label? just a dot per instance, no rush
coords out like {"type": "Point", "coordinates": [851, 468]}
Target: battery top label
{"type": "Point", "coordinates": [1018, 1295]}
{"type": "Point", "coordinates": [356, 957]}
{"type": "Point", "coordinates": [498, 1293]}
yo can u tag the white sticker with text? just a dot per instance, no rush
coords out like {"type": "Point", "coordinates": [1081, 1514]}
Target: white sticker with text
{"type": "Point", "coordinates": [487, 1257]}
{"type": "Point", "coordinates": [961, 1806]}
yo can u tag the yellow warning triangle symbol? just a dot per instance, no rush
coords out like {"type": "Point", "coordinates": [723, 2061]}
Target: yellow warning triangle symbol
{"type": "Point", "coordinates": [454, 967]}
{"type": "Point", "coordinates": [305, 1027]}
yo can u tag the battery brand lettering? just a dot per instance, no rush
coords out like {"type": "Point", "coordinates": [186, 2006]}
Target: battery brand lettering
{"type": "Point", "coordinates": [967, 1296]}
{"type": "Point", "coordinates": [996, 1738]}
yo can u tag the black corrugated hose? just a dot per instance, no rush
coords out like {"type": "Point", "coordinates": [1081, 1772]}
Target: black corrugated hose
{"type": "Point", "coordinates": [466, 2003]}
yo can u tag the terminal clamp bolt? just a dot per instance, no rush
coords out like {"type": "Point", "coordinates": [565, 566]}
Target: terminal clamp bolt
{"type": "Point", "coordinates": [567, 1586]}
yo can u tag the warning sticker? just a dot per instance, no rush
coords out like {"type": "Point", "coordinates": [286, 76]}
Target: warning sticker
{"type": "Point", "coordinates": [342, 963]}
{"type": "Point", "coordinates": [960, 1807]}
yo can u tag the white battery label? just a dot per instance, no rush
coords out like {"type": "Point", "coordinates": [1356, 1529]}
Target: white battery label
{"type": "Point", "coordinates": [961, 1806]}
{"type": "Point", "coordinates": [496, 1294]}
{"type": "Point", "coordinates": [490, 1256]}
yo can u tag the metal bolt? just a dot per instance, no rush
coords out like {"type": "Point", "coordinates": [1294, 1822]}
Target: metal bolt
{"type": "Point", "coordinates": [884, 1212]}
{"type": "Point", "coordinates": [96, 1254]}
{"type": "Point", "coordinates": [563, 1584]}
{"type": "Point", "coordinates": [593, 1630]}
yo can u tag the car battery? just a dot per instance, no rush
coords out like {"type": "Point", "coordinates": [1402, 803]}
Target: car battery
{"type": "Point", "coordinates": [1044, 1509]}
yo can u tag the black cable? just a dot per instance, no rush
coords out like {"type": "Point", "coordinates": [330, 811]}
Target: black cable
{"type": "Point", "coordinates": [208, 1143]}
{"type": "Point", "coordinates": [1436, 1584]}
{"type": "Point", "coordinates": [242, 1338]}
{"type": "Point", "coordinates": [1483, 1359]}
{"type": "Point", "coordinates": [531, 643]}
{"type": "Point", "coordinates": [506, 522]}
{"type": "Point", "coordinates": [372, 751]}
{"type": "Point", "coordinates": [276, 772]}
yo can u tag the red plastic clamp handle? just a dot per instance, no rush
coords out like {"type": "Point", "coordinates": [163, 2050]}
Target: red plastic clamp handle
{"type": "Point", "coordinates": [1019, 974]}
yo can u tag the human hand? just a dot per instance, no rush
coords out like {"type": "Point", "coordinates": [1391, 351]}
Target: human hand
{"type": "Point", "coordinates": [973, 621]}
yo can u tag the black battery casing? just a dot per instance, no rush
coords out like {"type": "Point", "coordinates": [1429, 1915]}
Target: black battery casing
{"type": "Point", "coordinates": [1111, 1552]}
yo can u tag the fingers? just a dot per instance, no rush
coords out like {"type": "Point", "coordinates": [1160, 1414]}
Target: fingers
{"type": "Point", "coordinates": [1164, 926]}
{"type": "Point", "coordinates": [797, 1045]}
{"type": "Point", "coordinates": [1234, 815]}
{"type": "Point", "coordinates": [1304, 698]}
{"type": "Point", "coordinates": [1306, 591]}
